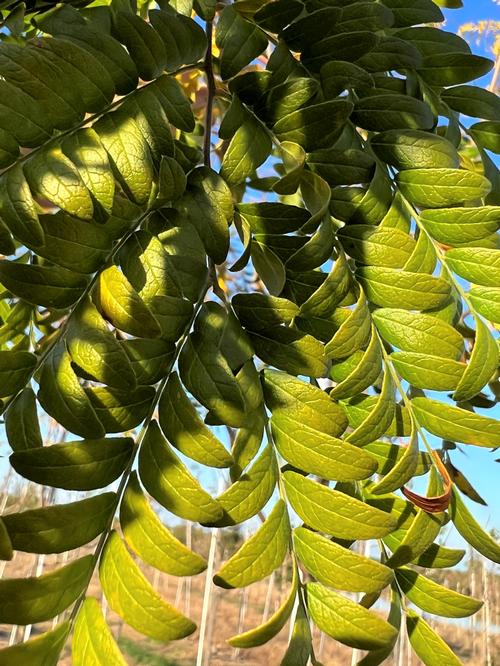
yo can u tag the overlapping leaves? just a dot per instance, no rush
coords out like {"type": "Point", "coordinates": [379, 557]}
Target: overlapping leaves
{"type": "Point", "coordinates": [377, 280]}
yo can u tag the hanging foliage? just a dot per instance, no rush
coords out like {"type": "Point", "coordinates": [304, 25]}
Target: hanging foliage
{"type": "Point", "coordinates": [257, 215]}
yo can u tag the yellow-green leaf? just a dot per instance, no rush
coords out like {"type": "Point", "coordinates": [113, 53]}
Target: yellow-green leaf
{"type": "Point", "coordinates": [334, 512]}
{"type": "Point", "coordinates": [150, 539]}
{"type": "Point", "coordinates": [129, 594]}
{"type": "Point", "coordinates": [261, 554]}
{"type": "Point", "coordinates": [93, 643]}
{"type": "Point", "coordinates": [346, 621]}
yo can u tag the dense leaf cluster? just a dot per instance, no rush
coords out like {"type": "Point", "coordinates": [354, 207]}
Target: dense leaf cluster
{"type": "Point", "coordinates": [371, 322]}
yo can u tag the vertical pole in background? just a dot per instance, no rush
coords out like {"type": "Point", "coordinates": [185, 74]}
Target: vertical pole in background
{"type": "Point", "coordinates": [206, 596]}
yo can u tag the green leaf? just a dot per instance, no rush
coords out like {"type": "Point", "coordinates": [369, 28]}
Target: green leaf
{"type": "Point", "coordinates": [346, 621]}
{"type": "Point", "coordinates": [330, 293]}
{"type": "Point", "coordinates": [338, 75]}
{"type": "Point", "coordinates": [224, 331]}
{"type": "Point", "coordinates": [434, 598]}
{"type": "Point", "coordinates": [91, 81]}
{"type": "Point", "coordinates": [273, 217]}
{"type": "Point", "coordinates": [17, 208]}
{"type": "Point", "coordinates": [261, 554]}
{"type": "Point", "coordinates": [376, 657]}
{"type": "Point", "coordinates": [379, 419]}
{"type": "Point", "coordinates": [290, 350]}
{"type": "Point", "coordinates": [429, 647]}
{"type": "Point", "coordinates": [392, 288]}
{"type": "Point", "coordinates": [428, 372]}
{"type": "Point", "coordinates": [487, 302]}
{"type": "Point", "coordinates": [62, 396]}
{"type": "Point", "coordinates": [274, 16]}
{"type": "Point", "coordinates": [40, 598]}
{"type": "Point", "coordinates": [402, 471]}
{"type": "Point", "coordinates": [364, 372]}
{"type": "Point", "coordinates": [419, 333]}
{"type": "Point", "coordinates": [269, 267]}
{"type": "Point", "coordinates": [472, 101]}
{"type": "Point", "coordinates": [176, 105]}
{"type": "Point", "coordinates": [93, 643]}
{"type": "Point", "coordinates": [61, 527]}
{"type": "Point", "coordinates": [60, 102]}
{"type": "Point", "coordinates": [251, 492]}
{"type": "Point", "coordinates": [407, 12]}
{"type": "Point", "coordinates": [209, 206]}
{"type": "Point", "coordinates": [119, 411]}
{"type": "Point", "coordinates": [334, 512]}
{"type": "Point", "coordinates": [414, 149]}
{"type": "Point", "coordinates": [128, 153]}
{"type": "Point", "coordinates": [169, 481]}
{"type": "Point", "coordinates": [144, 44]}
{"type": "Point", "coordinates": [487, 134]}
{"type": "Point", "coordinates": [439, 557]}
{"type": "Point", "coordinates": [413, 539]}
{"type": "Point", "coordinates": [341, 167]}
{"type": "Point", "coordinates": [435, 188]}
{"type": "Point", "coordinates": [346, 47]}
{"type": "Point", "coordinates": [207, 375]}
{"type": "Point", "coordinates": [21, 422]}
{"type": "Point", "coordinates": [268, 630]}
{"type": "Point", "coordinates": [353, 333]}
{"type": "Point", "coordinates": [51, 175]}
{"type": "Point", "coordinates": [314, 452]}
{"type": "Point", "coordinates": [258, 311]}
{"type": "Point", "coordinates": [314, 126]}
{"type": "Point", "coordinates": [150, 539]}
{"type": "Point", "coordinates": [377, 246]}
{"type": "Point", "coordinates": [74, 244]}
{"type": "Point", "coordinates": [339, 567]}
{"type": "Point", "coordinates": [305, 29]}
{"type": "Point", "coordinates": [185, 430]}
{"type": "Point", "coordinates": [89, 156]}
{"type": "Point", "coordinates": [471, 530]}
{"type": "Point", "coordinates": [66, 22]}
{"type": "Point", "coordinates": [150, 359]}
{"type": "Point", "coordinates": [389, 455]}
{"type": "Point", "coordinates": [172, 180]}
{"type": "Point", "coordinates": [449, 69]}
{"type": "Point", "coordinates": [360, 407]}
{"type": "Point", "coordinates": [52, 287]}
{"type": "Point", "coordinates": [288, 97]}
{"type": "Point", "coordinates": [84, 465]}
{"type": "Point", "coordinates": [16, 369]}
{"type": "Point", "coordinates": [184, 40]}
{"type": "Point", "coordinates": [307, 404]}
{"type": "Point", "coordinates": [461, 226]}
{"type": "Point", "coordinates": [391, 111]}
{"type": "Point", "coordinates": [94, 349]}
{"type": "Point", "coordinates": [248, 149]}
{"type": "Point", "coordinates": [482, 364]}
{"type": "Point", "coordinates": [456, 424]}
{"type": "Point", "coordinates": [43, 650]}
{"type": "Point", "coordinates": [6, 552]}
{"type": "Point", "coordinates": [152, 274]}
{"type": "Point", "coordinates": [121, 304]}
{"type": "Point", "coordinates": [476, 264]}
{"type": "Point", "coordinates": [240, 40]}
{"type": "Point", "coordinates": [294, 159]}
{"type": "Point", "coordinates": [205, 9]}
{"type": "Point", "coordinates": [300, 645]}
{"type": "Point", "coordinates": [129, 594]}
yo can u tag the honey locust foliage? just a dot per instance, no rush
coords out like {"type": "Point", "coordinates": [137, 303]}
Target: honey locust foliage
{"type": "Point", "coordinates": [156, 160]}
